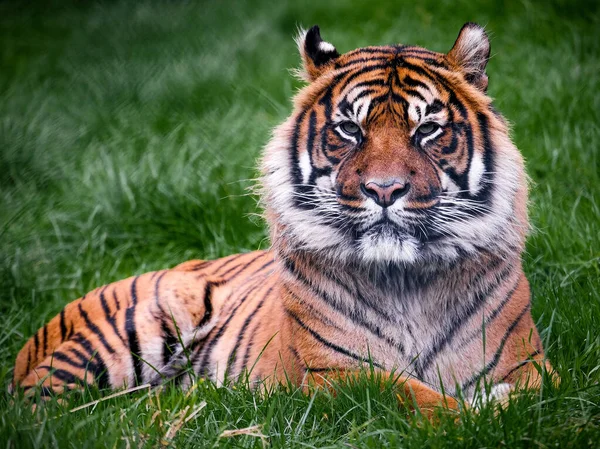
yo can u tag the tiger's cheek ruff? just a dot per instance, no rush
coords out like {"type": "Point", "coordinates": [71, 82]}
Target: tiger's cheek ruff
{"type": "Point", "coordinates": [289, 207]}
{"type": "Point", "coordinates": [497, 222]}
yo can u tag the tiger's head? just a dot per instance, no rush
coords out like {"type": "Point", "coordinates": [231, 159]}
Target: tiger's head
{"type": "Point", "coordinates": [394, 154]}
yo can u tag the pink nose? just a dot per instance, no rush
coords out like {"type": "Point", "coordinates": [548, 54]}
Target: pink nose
{"type": "Point", "coordinates": [385, 194]}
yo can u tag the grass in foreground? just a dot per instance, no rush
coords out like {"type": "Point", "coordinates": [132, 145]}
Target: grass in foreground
{"type": "Point", "coordinates": [128, 135]}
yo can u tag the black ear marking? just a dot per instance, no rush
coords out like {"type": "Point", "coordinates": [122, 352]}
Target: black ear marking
{"type": "Point", "coordinates": [317, 55]}
{"type": "Point", "coordinates": [319, 51]}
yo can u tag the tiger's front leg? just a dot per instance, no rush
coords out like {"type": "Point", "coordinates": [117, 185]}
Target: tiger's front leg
{"type": "Point", "coordinates": [525, 375]}
{"type": "Point", "coordinates": [409, 391]}
{"type": "Point", "coordinates": [126, 333]}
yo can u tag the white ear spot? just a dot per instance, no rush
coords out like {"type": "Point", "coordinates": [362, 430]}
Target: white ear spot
{"type": "Point", "coordinates": [326, 47]}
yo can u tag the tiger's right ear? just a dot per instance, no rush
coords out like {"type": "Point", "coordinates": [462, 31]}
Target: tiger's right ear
{"type": "Point", "coordinates": [317, 55]}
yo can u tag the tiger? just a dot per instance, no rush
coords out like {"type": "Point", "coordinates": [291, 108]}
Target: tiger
{"type": "Point", "coordinates": [396, 205]}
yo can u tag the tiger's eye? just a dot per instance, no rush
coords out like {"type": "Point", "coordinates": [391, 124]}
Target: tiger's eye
{"type": "Point", "coordinates": [427, 128]}
{"type": "Point", "coordinates": [350, 128]}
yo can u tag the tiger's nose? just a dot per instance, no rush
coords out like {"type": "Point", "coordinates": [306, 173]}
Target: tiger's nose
{"type": "Point", "coordinates": [385, 194]}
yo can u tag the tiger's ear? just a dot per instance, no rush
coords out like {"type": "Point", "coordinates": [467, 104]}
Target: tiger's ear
{"type": "Point", "coordinates": [471, 53]}
{"type": "Point", "coordinates": [317, 55]}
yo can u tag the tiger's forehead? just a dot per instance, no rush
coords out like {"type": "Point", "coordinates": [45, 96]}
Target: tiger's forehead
{"type": "Point", "coordinates": [375, 81]}
{"type": "Point", "coordinates": [391, 53]}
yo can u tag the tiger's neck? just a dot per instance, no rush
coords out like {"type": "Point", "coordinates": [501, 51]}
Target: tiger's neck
{"type": "Point", "coordinates": [391, 290]}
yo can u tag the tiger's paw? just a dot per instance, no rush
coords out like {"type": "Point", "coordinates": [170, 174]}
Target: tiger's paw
{"type": "Point", "coordinates": [498, 394]}
{"type": "Point", "coordinates": [429, 403]}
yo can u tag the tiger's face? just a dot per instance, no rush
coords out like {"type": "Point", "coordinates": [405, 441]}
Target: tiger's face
{"type": "Point", "coordinates": [394, 154]}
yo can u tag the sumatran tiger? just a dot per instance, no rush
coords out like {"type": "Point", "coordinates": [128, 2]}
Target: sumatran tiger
{"type": "Point", "coordinates": [396, 204]}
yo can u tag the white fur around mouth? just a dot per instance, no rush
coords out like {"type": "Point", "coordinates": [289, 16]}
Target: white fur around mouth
{"type": "Point", "coordinates": [385, 244]}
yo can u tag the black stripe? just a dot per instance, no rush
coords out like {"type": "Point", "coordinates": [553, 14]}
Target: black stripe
{"type": "Point", "coordinates": [63, 327]}
{"type": "Point", "coordinates": [234, 352]}
{"type": "Point", "coordinates": [520, 365]}
{"type": "Point", "coordinates": [436, 77]}
{"type": "Point", "coordinates": [371, 82]}
{"type": "Point", "coordinates": [71, 330]}
{"type": "Point", "coordinates": [28, 359]}
{"type": "Point", "coordinates": [295, 171]}
{"type": "Point", "coordinates": [310, 142]}
{"type": "Point", "coordinates": [294, 352]}
{"type": "Point", "coordinates": [111, 318]}
{"type": "Point", "coordinates": [62, 357]}
{"type": "Point", "coordinates": [409, 81]}
{"type": "Point", "coordinates": [363, 62]}
{"type": "Point", "coordinates": [492, 316]}
{"type": "Point", "coordinates": [250, 345]}
{"type": "Point", "coordinates": [456, 129]}
{"type": "Point", "coordinates": [95, 363]}
{"type": "Point", "coordinates": [492, 364]}
{"type": "Point", "coordinates": [86, 362]}
{"type": "Point", "coordinates": [61, 374]}
{"type": "Point", "coordinates": [91, 326]}
{"type": "Point", "coordinates": [207, 351]}
{"type": "Point", "coordinates": [132, 336]}
{"type": "Point", "coordinates": [225, 262]}
{"type": "Point", "coordinates": [435, 107]}
{"type": "Point", "coordinates": [414, 93]}
{"type": "Point", "coordinates": [388, 50]}
{"type": "Point", "coordinates": [208, 308]}
{"type": "Point", "coordinates": [329, 344]}
{"type": "Point", "coordinates": [117, 303]}
{"type": "Point", "coordinates": [486, 182]}
{"type": "Point", "coordinates": [234, 271]}
{"type": "Point", "coordinates": [201, 265]}
{"type": "Point", "coordinates": [447, 335]}
{"type": "Point", "coordinates": [351, 314]}
{"type": "Point", "coordinates": [45, 339]}
{"type": "Point", "coordinates": [170, 340]}
{"type": "Point", "coordinates": [36, 344]}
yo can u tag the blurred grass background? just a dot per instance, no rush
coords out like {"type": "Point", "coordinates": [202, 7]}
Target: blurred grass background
{"type": "Point", "coordinates": [129, 133]}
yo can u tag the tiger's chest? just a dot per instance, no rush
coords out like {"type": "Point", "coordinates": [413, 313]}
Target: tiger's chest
{"type": "Point", "coordinates": [415, 336]}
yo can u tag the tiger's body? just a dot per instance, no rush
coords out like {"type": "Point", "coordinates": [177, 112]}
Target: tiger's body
{"type": "Point", "coordinates": [397, 208]}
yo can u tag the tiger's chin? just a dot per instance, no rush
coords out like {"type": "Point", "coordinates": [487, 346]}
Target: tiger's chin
{"type": "Point", "coordinates": [387, 244]}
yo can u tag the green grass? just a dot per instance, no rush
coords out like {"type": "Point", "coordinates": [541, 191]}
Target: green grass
{"type": "Point", "coordinates": [129, 133]}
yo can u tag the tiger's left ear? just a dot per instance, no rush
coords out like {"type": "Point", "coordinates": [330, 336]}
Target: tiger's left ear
{"type": "Point", "coordinates": [471, 53]}
{"type": "Point", "coordinates": [317, 55]}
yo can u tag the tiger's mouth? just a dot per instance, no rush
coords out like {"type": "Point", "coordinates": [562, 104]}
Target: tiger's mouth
{"type": "Point", "coordinates": [394, 230]}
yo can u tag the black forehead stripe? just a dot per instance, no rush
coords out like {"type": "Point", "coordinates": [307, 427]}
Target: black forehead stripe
{"type": "Point", "coordinates": [348, 77]}
{"type": "Point", "coordinates": [384, 49]}
{"type": "Point", "coordinates": [360, 61]}
{"type": "Point", "coordinates": [364, 93]}
{"type": "Point", "coordinates": [372, 82]}
{"type": "Point", "coordinates": [440, 80]}
{"type": "Point", "coordinates": [410, 49]}
{"type": "Point", "coordinates": [436, 63]}
{"type": "Point", "coordinates": [345, 107]}
{"type": "Point", "coordinates": [435, 107]}
{"type": "Point", "coordinates": [414, 93]}
{"type": "Point", "coordinates": [409, 81]}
